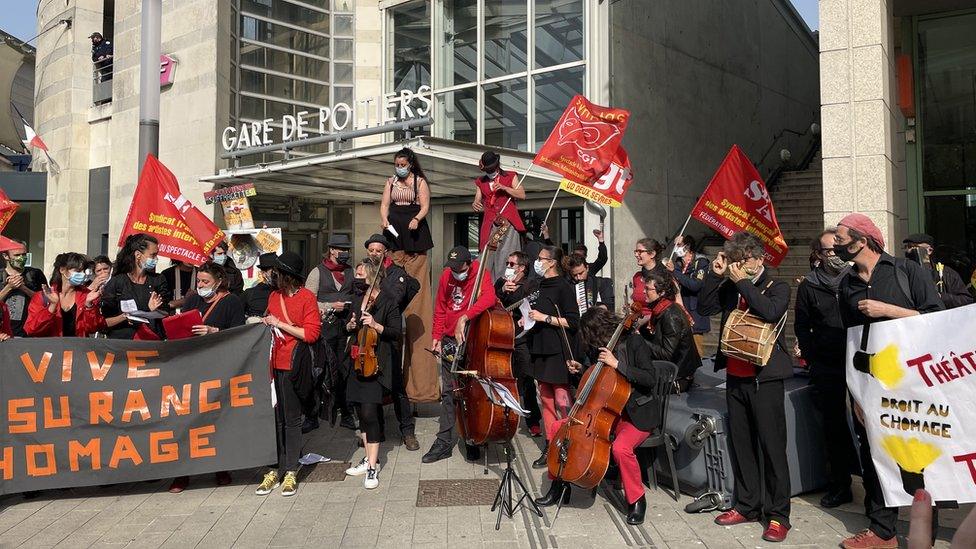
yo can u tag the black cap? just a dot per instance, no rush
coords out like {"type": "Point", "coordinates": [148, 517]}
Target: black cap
{"type": "Point", "coordinates": [458, 257]}
{"type": "Point", "coordinates": [340, 242]}
{"type": "Point", "coordinates": [377, 239]}
{"type": "Point", "coordinates": [919, 238]}
{"type": "Point", "coordinates": [291, 263]}
{"type": "Point", "coordinates": [489, 160]}
{"type": "Point", "coordinates": [94, 34]}
{"type": "Point", "coordinates": [267, 261]}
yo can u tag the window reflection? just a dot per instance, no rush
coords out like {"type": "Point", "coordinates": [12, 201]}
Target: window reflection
{"type": "Point", "coordinates": [289, 13]}
{"type": "Point", "coordinates": [411, 46]}
{"type": "Point", "coordinates": [458, 50]}
{"type": "Point", "coordinates": [558, 32]}
{"type": "Point", "coordinates": [506, 43]}
{"type": "Point", "coordinates": [506, 123]}
{"type": "Point", "coordinates": [457, 114]}
{"type": "Point", "coordinates": [553, 90]}
{"type": "Point", "coordinates": [286, 37]}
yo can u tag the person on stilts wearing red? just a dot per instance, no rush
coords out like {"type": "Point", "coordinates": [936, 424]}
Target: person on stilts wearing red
{"type": "Point", "coordinates": [642, 413]}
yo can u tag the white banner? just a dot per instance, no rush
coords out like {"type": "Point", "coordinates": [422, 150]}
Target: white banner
{"type": "Point", "coordinates": [916, 382]}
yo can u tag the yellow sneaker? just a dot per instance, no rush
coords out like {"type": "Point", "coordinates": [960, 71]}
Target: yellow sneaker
{"type": "Point", "coordinates": [269, 483]}
{"type": "Point", "coordinates": [289, 486]}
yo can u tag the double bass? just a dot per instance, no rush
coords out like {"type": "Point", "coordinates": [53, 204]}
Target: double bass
{"type": "Point", "coordinates": [580, 450]}
{"type": "Point", "coordinates": [487, 355]}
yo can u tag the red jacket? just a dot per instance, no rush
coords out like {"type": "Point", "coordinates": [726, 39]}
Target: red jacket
{"type": "Point", "coordinates": [303, 312]}
{"type": "Point", "coordinates": [41, 322]}
{"type": "Point", "coordinates": [453, 297]}
{"type": "Point", "coordinates": [493, 201]}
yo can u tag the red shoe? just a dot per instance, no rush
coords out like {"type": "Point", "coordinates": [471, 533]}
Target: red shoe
{"type": "Point", "coordinates": [223, 478]}
{"type": "Point", "coordinates": [179, 484]}
{"type": "Point", "coordinates": [775, 532]}
{"type": "Point", "coordinates": [731, 518]}
{"type": "Point", "coordinates": [535, 431]}
{"type": "Point", "coordinates": [869, 540]}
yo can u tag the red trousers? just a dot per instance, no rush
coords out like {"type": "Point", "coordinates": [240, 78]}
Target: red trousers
{"type": "Point", "coordinates": [555, 399]}
{"type": "Point", "coordinates": [626, 439]}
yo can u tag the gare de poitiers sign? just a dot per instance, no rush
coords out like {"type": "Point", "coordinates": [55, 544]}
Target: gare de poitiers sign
{"type": "Point", "coordinates": [387, 108]}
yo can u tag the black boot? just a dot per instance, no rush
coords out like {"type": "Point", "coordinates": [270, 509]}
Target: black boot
{"type": "Point", "coordinates": [543, 460]}
{"type": "Point", "coordinates": [557, 489]}
{"type": "Point", "coordinates": [635, 511]}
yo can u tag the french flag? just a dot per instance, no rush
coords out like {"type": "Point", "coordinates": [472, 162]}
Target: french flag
{"type": "Point", "coordinates": [33, 140]}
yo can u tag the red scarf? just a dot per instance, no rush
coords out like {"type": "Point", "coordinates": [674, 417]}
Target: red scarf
{"type": "Point", "coordinates": [337, 269]}
{"type": "Point", "coordinates": [657, 310]}
{"type": "Point", "coordinates": [387, 262]}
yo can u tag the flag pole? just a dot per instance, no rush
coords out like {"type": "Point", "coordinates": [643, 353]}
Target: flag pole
{"type": "Point", "coordinates": [517, 185]}
{"type": "Point", "coordinates": [681, 232]}
{"type": "Point", "coordinates": [551, 204]}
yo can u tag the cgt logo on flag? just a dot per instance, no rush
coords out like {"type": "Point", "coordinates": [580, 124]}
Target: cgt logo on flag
{"type": "Point", "coordinates": [611, 187]}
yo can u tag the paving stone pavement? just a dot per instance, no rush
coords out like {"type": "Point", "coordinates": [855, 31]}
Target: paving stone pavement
{"type": "Point", "coordinates": [344, 514]}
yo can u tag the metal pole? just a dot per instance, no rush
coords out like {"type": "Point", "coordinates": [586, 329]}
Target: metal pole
{"type": "Point", "coordinates": [149, 79]}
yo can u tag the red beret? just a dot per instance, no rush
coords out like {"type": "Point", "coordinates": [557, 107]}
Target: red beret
{"type": "Point", "coordinates": [863, 224]}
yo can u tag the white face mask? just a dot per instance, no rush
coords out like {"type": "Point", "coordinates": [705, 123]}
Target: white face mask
{"type": "Point", "coordinates": [460, 277]}
{"type": "Point", "coordinates": [205, 293]}
{"type": "Point", "coordinates": [509, 273]}
{"type": "Point", "coordinates": [540, 268]}
{"type": "Point", "coordinates": [680, 251]}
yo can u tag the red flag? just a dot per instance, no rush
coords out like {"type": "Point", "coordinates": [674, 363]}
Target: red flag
{"type": "Point", "coordinates": [159, 208]}
{"type": "Point", "coordinates": [736, 200]}
{"type": "Point", "coordinates": [584, 141]}
{"type": "Point", "coordinates": [7, 209]}
{"type": "Point", "coordinates": [610, 188]}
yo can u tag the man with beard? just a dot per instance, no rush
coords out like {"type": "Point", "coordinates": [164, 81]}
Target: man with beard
{"type": "Point", "coordinates": [823, 340]}
{"type": "Point", "coordinates": [18, 283]}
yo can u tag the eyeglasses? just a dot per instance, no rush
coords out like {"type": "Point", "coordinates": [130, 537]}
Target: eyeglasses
{"type": "Point", "coordinates": [638, 252]}
{"type": "Point", "coordinates": [545, 258]}
{"type": "Point", "coordinates": [512, 264]}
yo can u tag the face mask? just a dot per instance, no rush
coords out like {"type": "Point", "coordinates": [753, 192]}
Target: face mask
{"type": "Point", "coordinates": [205, 293]}
{"type": "Point", "coordinates": [76, 278]}
{"type": "Point", "coordinates": [680, 251]}
{"type": "Point", "coordinates": [272, 279]}
{"type": "Point", "coordinates": [149, 264]}
{"type": "Point", "coordinates": [360, 286]}
{"type": "Point", "coordinates": [220, 259]}
{"type": "Point", "coordinates": [460, 277]}
{"type": "Point", "coordinates": [491, 175]}
{"type": "Point", "coordinates": [18, 262]}
{"type": "Point", "coordinates": [539, 267]}
{"type": "Point", "coordinates": [834, 264]}
{"type": "Point", "coordinates": [841, 251]}
{"type": "Point", "coordinates": [402, 172]}
{"type": "Point", "coordinates": [509, 273]}
{"type": "Point", "coordinates": [912, 255]}
{"type": "Point", "coordinates": [343, 257]}
{"type": "Point", "coordinates": [751, 271]}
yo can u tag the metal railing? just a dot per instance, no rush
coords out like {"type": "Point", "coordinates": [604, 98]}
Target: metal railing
{"type": "Point", "coordinates": [102, 81]}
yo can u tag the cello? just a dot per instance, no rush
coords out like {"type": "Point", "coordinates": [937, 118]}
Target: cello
{"type": "Point", "coordinates": [580, 450]}
{"type": "Point", "coordinates": [487, 355]}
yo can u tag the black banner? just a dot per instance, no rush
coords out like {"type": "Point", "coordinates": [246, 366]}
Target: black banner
{"type": "Point", "coordinates": [79, 412]}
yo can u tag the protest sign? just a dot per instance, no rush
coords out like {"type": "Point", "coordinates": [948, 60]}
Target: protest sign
{"type": "Point", "coordinates": [584, 141]}
{"type": "Point", "coordinates": [736, 200]}
{"type": "Point", "coordinates": [246, 246]}
{"type": "Point", "coordinates": [81, 412]}
{"type": "Point", "coordinates": [915, 381]}
{"type": "Point", "coordinates": [609, 189]}
{"type": "Point", "coordinates": [159, 209]}
{"type": "Point", "coordinates": [233, 201]}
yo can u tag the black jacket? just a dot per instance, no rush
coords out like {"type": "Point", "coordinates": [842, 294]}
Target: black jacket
{"type": "Point", "coordinates": [235, 280]}
{"type": "Point", "coordinates": [545, 339]}
{"type": "Point", "coordinates": [819, 330]}
{"type": "Point", "coordinates": [399, 286]}
{"type": "Point", "coordinates": [691, 285]}
{"type": "Point", "coordinates": [386, 312]}
{"type": "Point", "coordinates": [672, 341]}
{"type": "Point", "coordinates": [599, 290]}
{"type": "Point", "coordinates": [950, 286]}
{"type": "Point", "coordinates": [256, 299]}
{"type": "Point", "coordinates": [721, 295]}
{"type": "Point", "coordinates": [528, 285]}
{"type": "Point", "coordinates": [635, 364]}
{"type": "Point", "coordinates": [103, 49]}
{"type": "Point", "coordinates": [120, 288]}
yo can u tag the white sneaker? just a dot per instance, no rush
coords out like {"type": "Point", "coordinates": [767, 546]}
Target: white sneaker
{"type": "Point", "coordinates": [372, 478]}
{"type": "Point", "coordinates": [358, 470]}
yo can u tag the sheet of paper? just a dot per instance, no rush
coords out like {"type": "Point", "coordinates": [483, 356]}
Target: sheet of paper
{"type": "Point", "coordinates": [393, 231]}
{"type": "Point", "coordinates": [524, 308]}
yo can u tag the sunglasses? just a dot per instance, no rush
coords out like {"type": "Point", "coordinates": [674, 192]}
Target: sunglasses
{"type": "Point", "coordinates": [512, 264]}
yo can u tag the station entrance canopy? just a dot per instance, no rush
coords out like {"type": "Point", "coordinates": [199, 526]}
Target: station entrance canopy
{"type": "Point", "coordinates": [358, 174]}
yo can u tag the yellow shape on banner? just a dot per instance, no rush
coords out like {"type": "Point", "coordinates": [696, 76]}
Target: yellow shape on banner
{"type": "Point", "coordinates": [912, 455]}
{"type": "Point", "coordinates": [886, 368]}
{"type": "Point", "coordinates": [588, 193]}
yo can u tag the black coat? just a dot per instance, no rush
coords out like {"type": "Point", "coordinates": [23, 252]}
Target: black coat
{"type": "Point", "coordinates": [545, 339]}
{"type": "Point", "coordinates": [721, 295]}
{"type": "Point", "coordinates": [635, 364]}
{"type": "Point", "coordinates": [599, 290]}
{"type": "Point", "coordinates": [399, 286]}
{"type": "Point", "coordinates": [524, 290]}
{"type": "Point", "coordinates": [673, 341]}
{"type": "Point", "coordinates": [385, 311]}
{"type": "Point", "coordinates": [818, 327]}
{"type": "Point", "coordinates": [235, 279]}
{"type": "Point", "coordinates": [950, 286]}
{"type": "Point", "coordinates": [256, 299]}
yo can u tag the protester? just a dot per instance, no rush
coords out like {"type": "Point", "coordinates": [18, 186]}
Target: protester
{"type": "Point", "coordinates": [553, 311]}
{"type": "Point", "coordinates": [452, 313]}
{"type": "Point", "coordinates": [18, 284]}
{"type": "Point", "coordinates": [135, 287]}
{"type": "Point", "coordinates": [689, 269]}
{"type": "Point", "coordinates": [497, 192]}
{"type": "Point", "coordinates": [647, 252]}
{"type": "Point", "coordinates": [235, 279]}
{"type": "Point", "coordinates": [331, 282]}
{"type": "Point", "coordinates": [755, 396]}
{"type": "Point", "coordinates": [823, 343]}
{"type": "Point", "coordinates": [596, 289]}
{"type": "Point", "coordinates": [256, 297]}
{"type": "Point", "coordinates": [181, 279]}
{"type": "Point", "coordinates": [101, 56]}
{"type": "Point", "coordinates": [669, 328]}
{"type": "Point", "coordinates": [952, 290]}
{"type": "Point", "coordinates": [381, 313]}
{"type": "Point", "coordinates": [641, 414]}
{"type": "Point", "coordinates": [516, 286]}
{"type": "Point", "coordinates": [294, 315]}
{"type": "Point", "coordinates": [102, 266]}
{"type": "Point", "coordinates": [401, 288]}
{"type": "Point", "coordinates": [67, 308]}
{"type": "Point", "coordinates": [6, 332]}
{"type": "Point", "coordinates": [220, 310]}
{"type": "Point", "coordinates": [403, 212]}
{"type": "Point", "coordinates": [879, 287]}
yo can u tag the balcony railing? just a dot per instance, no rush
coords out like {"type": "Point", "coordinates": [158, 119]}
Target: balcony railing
{"type": "Point", "coordinates": [102, 81]}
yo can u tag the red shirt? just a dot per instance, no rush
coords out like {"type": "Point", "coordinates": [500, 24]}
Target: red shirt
{"type": "Point", "coordinates": [41, 322]}
{"type": "Point", "coordinates": [736, 367]}
{"type": "Point", "coordinates": [303, 312]}
{"type": "Point", "coordinates": [493, 200]}
{"type": "Point", "coordinates": [453, 297]}
{"type": "Point", "coordinates": [5, 320]}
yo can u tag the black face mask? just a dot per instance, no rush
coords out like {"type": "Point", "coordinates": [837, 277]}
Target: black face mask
{"type": "Point", "coordinates": [912, 255]}
{"type": "Point", "coordinates": [272, 279]}
{"type": "Point", "coordinates": [841, 251]}
{"type": "Point", "coordinates": [343, 257]}
{"type": "Point", "coordinates": [359, 286]}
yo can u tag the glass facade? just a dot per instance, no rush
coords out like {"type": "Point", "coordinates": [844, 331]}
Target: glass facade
{"type": "Point", "coordinates": [502, 71]}
{"type": "Point", "coordinates": [291, 56]}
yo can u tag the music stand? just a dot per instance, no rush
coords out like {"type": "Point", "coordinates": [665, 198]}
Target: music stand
{"type": "Point", "coordinates": [506, 489]}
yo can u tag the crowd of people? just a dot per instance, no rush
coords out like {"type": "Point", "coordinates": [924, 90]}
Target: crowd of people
{"type": "Point", "coordinates": [564, 314]}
